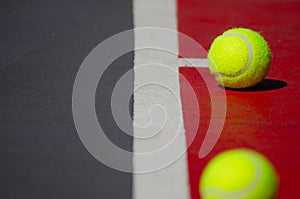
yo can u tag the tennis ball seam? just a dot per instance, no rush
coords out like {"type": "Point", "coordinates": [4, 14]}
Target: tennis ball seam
{"type": "Point", "coordinates": [250, 57]}
{"type": "Point", "coordinates": [216, 191]}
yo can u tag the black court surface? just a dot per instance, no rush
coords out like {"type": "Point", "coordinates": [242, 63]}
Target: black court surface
{"type": "Point", "coordinates": [42, 45]}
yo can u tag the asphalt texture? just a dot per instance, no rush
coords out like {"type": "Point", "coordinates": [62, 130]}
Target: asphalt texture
{"type": "Point", "coordinates": [43, 44]}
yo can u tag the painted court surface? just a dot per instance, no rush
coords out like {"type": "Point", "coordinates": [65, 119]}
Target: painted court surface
{"type": "Point", "coordinates": [43, 44]}
{"type": "Point", "coordinates": [265, 118]}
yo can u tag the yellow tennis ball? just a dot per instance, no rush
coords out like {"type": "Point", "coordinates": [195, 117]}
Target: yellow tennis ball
{"type": "Point", "coordinates": [239, 174]}
{"type": "Point", "coordinates": [239, 58]}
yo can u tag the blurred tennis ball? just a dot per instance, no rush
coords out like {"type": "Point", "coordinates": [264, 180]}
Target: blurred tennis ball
{"type": "Point", "coordinates": [239, 174]}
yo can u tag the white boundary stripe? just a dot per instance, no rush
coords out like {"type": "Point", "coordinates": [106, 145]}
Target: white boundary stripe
{"type": "Point", "coordinates": [193, 62]}
{"type": "Point", "coordinates": [170, 182]}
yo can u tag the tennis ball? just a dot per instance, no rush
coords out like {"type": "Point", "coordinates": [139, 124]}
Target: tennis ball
{"type": "Point", "coordinates": [239, 174]}
{"type": "Point", "coordinates": [239, 58]}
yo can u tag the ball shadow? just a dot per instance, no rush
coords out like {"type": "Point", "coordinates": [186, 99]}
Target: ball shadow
{"type": "Point", "coordinates": [264, 85]}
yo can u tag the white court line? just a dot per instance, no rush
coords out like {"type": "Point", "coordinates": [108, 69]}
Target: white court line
{"type": "Point", "coordinates": [170, 182]}
{"type": "Point", "coordinates": [193, 62]}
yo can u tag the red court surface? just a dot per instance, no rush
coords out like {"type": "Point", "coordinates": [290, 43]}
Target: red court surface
{"type": "Point", "coordinates": [265, 118]}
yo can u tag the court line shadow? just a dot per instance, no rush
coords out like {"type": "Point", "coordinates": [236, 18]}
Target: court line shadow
{"type": "Point", "coordinates": [264, 85]}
